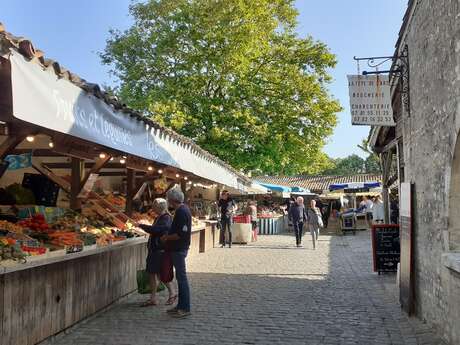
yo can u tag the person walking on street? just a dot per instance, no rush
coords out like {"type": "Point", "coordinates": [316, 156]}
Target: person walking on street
{"type": "Point", "coordinates": [178, 239]}
{"type": "Point", "coordinates": [314, 221]}
{"type": "Point", "coordinates": [227, 209]}
{"type": "Point", "coordinates": [156, 252]}
{"type": "Point", "coordinates": [298, 216]}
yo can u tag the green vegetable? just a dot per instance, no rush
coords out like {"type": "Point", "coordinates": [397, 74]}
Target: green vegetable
{"type": "Point", "coordinates": [22, 195]}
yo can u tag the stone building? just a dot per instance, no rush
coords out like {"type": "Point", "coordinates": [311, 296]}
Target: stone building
{"type": "Point", "coordinates": [425, 148]}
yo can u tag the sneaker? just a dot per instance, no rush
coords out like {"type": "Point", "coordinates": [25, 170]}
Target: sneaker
{"type": "Point", "coordinates": [179, 314]}
{"type": "Point", "coordinates": [172, 310]}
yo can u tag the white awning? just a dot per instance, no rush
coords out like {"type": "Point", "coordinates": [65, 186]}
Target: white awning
{"type": "Point", "coordinates": [43, 98]}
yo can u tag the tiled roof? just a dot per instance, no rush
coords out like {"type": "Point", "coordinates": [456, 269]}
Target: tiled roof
{"type": "Point", "coordinates": [316, 184]}
{"type": "Point", "coordinates": [27, 49]}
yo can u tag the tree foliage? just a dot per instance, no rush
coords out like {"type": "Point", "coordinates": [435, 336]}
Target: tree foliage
{"type": "Point", "coordinates": [233, 75]}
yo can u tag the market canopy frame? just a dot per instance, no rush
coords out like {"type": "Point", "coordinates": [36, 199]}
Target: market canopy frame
{"type": "Point", "coordinates": [39, 94]}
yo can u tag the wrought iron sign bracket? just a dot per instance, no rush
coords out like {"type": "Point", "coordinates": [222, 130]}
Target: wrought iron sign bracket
{"type": "Point", "coordinates": [399, 68]}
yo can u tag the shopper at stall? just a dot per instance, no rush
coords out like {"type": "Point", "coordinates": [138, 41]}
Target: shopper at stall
{"type": "Point", "coordinates": [156, 251]}
{"type": "Point", "coordinates": [378, 212]}
{"type": "Point", "coordinates": [368, 202]}
{"type": "Point", "coordinates": [314, 221]}
{"type": "Point", "coordinates": [252, 212]}
{"type": "Point", "coordinates": [178, 243]}
{"type": "Point", "coordinates": [227, 209]}
{"type": "Point", "coordinates": [298, 216]}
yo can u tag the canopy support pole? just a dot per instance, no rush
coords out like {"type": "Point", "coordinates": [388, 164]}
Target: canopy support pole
{"type": "Point", "coordinates": [95, 169]}
{"type": "Point", "coordinates": [386, 160]}
{"type": "Point", "coordinates": [10, 143]}
{"type": "Point", "coordinates": [44, 170]}
{"type": "Point", "coordinates": [75, 182]}
{"type": "Point", "coordinates": [130, 190]}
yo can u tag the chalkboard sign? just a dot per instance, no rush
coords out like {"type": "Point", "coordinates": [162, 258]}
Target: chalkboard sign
{"type": "Point", "coordinates": [385, 247]}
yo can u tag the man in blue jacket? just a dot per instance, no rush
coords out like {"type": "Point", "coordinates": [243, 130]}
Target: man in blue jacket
{"type": "Point", "coordinates": [178, 243]}
{"type": "Point", "coordinates": [298, 216]}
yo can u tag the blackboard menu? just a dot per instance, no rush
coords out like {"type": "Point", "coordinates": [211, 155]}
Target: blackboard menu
{"type": "Point", "coordinates": [386, 247]}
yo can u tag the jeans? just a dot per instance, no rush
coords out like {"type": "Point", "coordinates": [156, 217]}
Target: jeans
{"type": "Point", "coordinates": [226, 224]}
{"type": "Point", "coordinates": [298, 228]}
{"type": "Point", "coordinates": [314, 231]}
{"type": "Point", "coordinates": [178, 259]}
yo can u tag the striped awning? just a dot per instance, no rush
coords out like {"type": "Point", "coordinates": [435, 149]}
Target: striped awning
{"type": "Point", "coordinates": [354, 186]}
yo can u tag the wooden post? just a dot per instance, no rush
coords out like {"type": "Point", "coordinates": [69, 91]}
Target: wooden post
{"type": "Point", "coordinates": [95, 169]}
{"type": "Point", "coordinates": [130, 190]}
{"type": "Point", "coordinates": [183, 186]}
{"type": "Point", "coordinates": [386, 203]}
{"type": "Point", "coordinates": [386, 160]}
{"type": "Point", "coordinates": [76, 166]}
{"type": "Point", "coordinates": [10, 143]}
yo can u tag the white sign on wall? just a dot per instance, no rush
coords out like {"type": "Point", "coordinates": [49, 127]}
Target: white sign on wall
{"type": "Point", "coordinates": [370, 100]}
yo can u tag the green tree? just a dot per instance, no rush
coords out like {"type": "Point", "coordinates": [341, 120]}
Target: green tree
{"type": "Point", "coordinates": [350, 165]}
{"type": "Point", "coordinates": [233, 75]}
{"type": "Point", "coordinates": [372, 162]}
{"type": "Point", "coordinates": [354, 164]}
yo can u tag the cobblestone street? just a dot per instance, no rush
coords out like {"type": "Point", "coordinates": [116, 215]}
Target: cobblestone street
{"type": "Point", "coordinates": [270, 293]}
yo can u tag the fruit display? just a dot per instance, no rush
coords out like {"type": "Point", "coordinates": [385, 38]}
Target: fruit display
{"type": "Point", "coordinates": [5, 225]}
{"type": "Point", "coordinates": [36, 223]}
{"type": "Point", "coordinates": [117, 201]}
{"type": "Point", "coordinates": [147, 217]}
{"type": "Point", "coordinates": [65, 238]}
{"type": "Point", "coordinates": [88, 238]}
{"type": "Point", "coordinates": [10, 250]}
{"type": "Point", "coordinates": [68, 230]}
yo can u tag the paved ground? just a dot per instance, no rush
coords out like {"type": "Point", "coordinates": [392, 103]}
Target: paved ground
{"type": "Point", "coordinates": [270, 293]}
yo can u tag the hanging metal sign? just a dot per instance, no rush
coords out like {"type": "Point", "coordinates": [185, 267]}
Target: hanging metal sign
{"type": "Point", "coordinates": [370, 100]}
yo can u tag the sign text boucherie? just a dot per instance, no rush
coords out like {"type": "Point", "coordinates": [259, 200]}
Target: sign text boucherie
{"type": "Point", "coordinates": [370, 100]}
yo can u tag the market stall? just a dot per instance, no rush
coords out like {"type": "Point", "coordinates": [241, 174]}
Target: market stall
{"type": "Point", "coordinates": [272, 209]}
{"type": "Point", "coordinates": [271, 224]}
{"type": "Point", "coordinates": [77, 173]}
{"type": "Point", "coordinates": [353, 217]}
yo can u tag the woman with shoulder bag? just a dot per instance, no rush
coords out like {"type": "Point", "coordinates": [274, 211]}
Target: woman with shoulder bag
{"type": "Point", "coordinates": [157, 257]}
{"type": "Point", "coordinates": [314, 221]}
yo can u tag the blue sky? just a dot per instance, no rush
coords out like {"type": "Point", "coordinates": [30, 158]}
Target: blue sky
{"type": "Point", "coordinates": [73, 34]}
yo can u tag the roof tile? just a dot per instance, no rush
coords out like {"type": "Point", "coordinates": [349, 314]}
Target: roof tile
{"type": "Point", "coordinates": [317, 184]}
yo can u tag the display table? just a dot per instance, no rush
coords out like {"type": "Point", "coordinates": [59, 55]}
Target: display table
{"type": "Point", "coordinates": [45, 296]}
{"type": "Point", "coordinates": [241, 233]}
{"type": "Point", "coordinates": [271, 225]}
{"type": "Point", "coordinates": [52, 292]}
{"type": "Point", "coordinates": [212, 234]}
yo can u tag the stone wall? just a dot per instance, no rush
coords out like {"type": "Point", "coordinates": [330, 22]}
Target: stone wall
{"type": "Point", "coordinates": [430, 135]}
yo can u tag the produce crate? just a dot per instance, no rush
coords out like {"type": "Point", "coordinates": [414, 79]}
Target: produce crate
{"type": "Point", "coordinates": [50, 213]}
{"type": "Point", "coordinates": [242, 219]}
{"type": "Point", "coordinates": [34, 250]}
